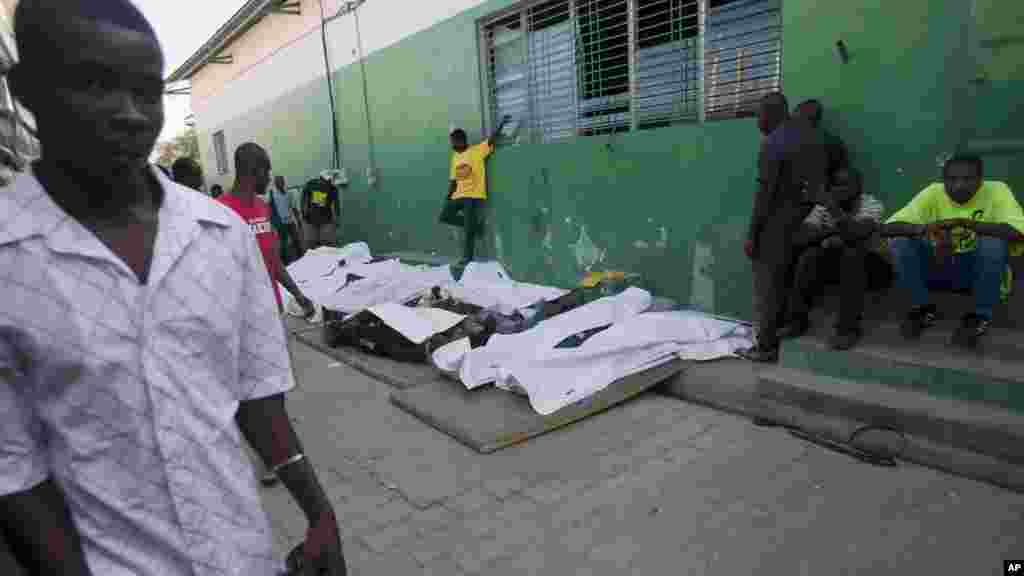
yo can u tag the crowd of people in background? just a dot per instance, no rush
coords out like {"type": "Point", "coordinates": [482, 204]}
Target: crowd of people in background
{"type": "Point", "coordinates": [300, 219]}
{"type": "Point", "coordinates": [813, 223]}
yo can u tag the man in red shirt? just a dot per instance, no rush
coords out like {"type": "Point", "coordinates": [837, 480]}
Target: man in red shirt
{"type": "Point", "coordinates": [252, 173]}
{"type": "Point", "coordinates": [252, 169]}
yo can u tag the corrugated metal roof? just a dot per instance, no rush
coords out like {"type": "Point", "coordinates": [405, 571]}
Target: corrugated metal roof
{"type": "Point", "coordinates": [252, 12]}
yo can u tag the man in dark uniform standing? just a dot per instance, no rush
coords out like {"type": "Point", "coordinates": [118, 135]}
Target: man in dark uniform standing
{"type": "Point", "coordinates": [792, 177]}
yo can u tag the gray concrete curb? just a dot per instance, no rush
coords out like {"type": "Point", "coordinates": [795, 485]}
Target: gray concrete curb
{"type": "Point", "coordinates": [937, 438]}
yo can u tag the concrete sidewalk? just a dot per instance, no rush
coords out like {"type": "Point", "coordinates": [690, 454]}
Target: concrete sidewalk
{"type": "Point", "coordinates": [654, 486]}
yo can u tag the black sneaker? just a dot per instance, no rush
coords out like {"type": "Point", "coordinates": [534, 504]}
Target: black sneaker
{"type": "Point", "coordinates": [918, 319]}
{"type": "Point", "coordinates": [845, 337]}
{"type": "Point", "coordinates": [796, 328]}
{"type": "Point", "coordinates": [971, 329]}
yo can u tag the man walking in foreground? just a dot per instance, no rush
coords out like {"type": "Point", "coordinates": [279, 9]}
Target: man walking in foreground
{"type": "Point", "coordinates": [792, 178]}
{"type": "Point", "coordinates": [140, 340]}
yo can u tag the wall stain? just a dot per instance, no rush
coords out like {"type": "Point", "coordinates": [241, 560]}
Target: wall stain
{"type": "Point", "coordinates": [587, 253]}
{"type": "Point", "coordinates": [499, 247]}
{"type": "Point", "coordinates": [663, 235]}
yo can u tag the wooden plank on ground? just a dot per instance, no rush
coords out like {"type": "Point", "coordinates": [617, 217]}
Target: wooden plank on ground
{"type": "Point", "coordinates": [488, 419]}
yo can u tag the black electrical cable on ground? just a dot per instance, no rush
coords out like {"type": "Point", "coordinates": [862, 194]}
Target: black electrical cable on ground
{"type": "Point", "coordinates": [847, 447]}
{"type": "Point", "coordinates": [330, 88]}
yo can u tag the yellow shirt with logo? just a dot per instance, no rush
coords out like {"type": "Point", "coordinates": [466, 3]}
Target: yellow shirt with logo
{"type": "Point", "coordinates": [993, 203]}
{"type": "Point", "coordinates": [468, 170]}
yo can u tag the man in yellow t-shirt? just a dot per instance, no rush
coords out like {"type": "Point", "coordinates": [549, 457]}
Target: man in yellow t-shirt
{"type": "Point", "coordinates": [956, 235]}
{"type": "Point", "coordinates": [467, 187]}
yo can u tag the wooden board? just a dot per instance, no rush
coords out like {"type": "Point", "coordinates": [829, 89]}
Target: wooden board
{"type": "Point", "coordinates": [488, 419]}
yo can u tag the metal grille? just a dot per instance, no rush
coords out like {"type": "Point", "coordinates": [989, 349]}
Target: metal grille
{"type": "Point", "coordinates": [743, 56]}
{"type": "Point", "coordinates": [552, 62]}
{"type": "Point", "coordinates": [583, 67]}
{"type": "Point", "coordinates": [603, 70]}
{"type": "Point", "coordinates": [667, 63]}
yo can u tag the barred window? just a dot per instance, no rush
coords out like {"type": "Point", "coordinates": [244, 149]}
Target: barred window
{"type": "Point", "coordinates": [564, 68]}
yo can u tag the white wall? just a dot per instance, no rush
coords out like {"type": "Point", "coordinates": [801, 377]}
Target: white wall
{"type": "Point", "coordinates": [382, 23]}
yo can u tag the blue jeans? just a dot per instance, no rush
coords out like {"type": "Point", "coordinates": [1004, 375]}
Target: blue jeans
{"type": "Point", "coordinates": [980, 271]}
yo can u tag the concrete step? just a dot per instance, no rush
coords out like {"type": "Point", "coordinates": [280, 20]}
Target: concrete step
{"type": "Point", "coordinates": [967, 425]}
{"type": "Point", "coordinates": [974, 440]}
{"type": "Point", "coordinates": [992, 375]}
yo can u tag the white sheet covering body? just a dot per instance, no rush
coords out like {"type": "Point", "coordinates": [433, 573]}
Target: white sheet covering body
{"type": "Point", "coordinates": [321, 261]}
{"type": "Point", "coordinates": [316, 274]}
{"type": "Point", "coordinates": [488, 285]}
{"type": "Point", "coordinates": [397, 283]}
{"type": "Point", "coordinates": [555, 378]}
{"type": "Point", "coordinates": [480, 365]}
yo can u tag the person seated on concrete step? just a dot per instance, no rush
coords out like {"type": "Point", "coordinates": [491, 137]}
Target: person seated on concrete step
{"type": "Point", "coordinates": [837, 249]}
{"type": "Point", "coordinates": [956, 235]}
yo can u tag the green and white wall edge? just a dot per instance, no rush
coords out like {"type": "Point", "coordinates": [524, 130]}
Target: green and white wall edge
{"type": "Point", "coordinates": [670, 203]}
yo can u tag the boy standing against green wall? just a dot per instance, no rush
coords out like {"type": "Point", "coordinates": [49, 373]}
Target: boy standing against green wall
{"type": "Point", "coordinates": [467, 186]}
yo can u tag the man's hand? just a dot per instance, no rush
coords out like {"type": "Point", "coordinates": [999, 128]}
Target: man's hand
{"type": "Point", "coordinates": [854, 230]}
{"type": "Point", "coordinates": [935, 231]}
{"type": "Point", "coordinates": [322, 552]}
{"type": "Point", "coordinates": [956, 223]}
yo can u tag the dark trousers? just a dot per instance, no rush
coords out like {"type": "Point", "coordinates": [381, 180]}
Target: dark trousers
{"type": "Point", "coordinates": [291, 249]}
{"type": "Point", "coordinates": [816, 266]}
{"type": "Point", "coordinates": [772, 273]}
{"type": "Point", "coordinates": [980, 271]}
{"type": "Point", "coordinates": [465, 213]}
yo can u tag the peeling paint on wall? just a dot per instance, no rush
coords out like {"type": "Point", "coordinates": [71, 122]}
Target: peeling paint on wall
{"type": "Point", "coordinates": [702, 285]}
{"type": "Point", "coordinates": [587, 253]}
{"type": "Point", "coordinates": [499, 247]}
{"type": "Point", "coordinates": [663, 235]}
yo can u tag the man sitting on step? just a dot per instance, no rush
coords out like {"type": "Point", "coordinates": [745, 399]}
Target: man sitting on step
{"type": "Point", "coordinates": [836, 249]}
{"type": "Point", "coordinates": [956, 235]}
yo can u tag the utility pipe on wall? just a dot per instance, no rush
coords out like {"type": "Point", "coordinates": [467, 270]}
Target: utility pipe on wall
{"type": "Point", "coordinates": [336, 143]}
{"type": "Point", "coordinates": [371, 177]}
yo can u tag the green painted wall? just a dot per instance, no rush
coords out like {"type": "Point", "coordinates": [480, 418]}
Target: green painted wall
{"type": "Point", "coordinates": [999, 96]}
{"type": "Point", "coordinates": [652, 202]}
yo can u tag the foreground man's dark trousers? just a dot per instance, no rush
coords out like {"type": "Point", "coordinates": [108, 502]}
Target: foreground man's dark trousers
{"type": "Point", "coordinates": [465, 213]}
{"type": "Point", "coordinates": [771, 273]}
{"type": "Point", "coordinates": [810, 277]}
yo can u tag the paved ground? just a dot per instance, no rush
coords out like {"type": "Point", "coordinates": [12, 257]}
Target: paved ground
{"type": "Point", "coordinates": [653, 487]}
